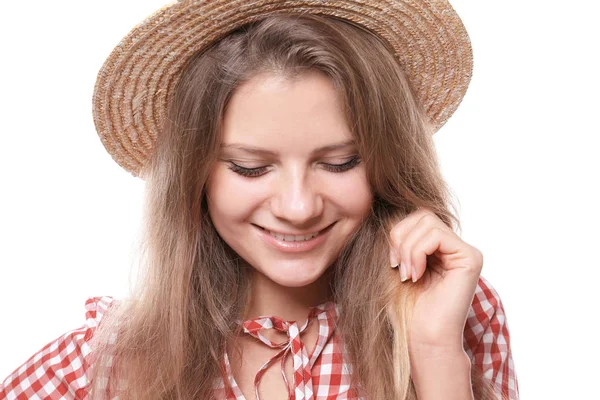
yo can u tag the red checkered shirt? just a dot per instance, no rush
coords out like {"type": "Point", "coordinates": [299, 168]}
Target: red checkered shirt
{"type": "Point", "coordinates": [60, 369]}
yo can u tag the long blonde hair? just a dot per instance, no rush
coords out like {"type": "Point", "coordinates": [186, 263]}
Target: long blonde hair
{"type": "Point", "coordinates": [167, 340]}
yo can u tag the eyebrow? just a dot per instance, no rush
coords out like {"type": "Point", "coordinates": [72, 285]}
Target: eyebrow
{"type": "Point", "coordinates": [265, 152]}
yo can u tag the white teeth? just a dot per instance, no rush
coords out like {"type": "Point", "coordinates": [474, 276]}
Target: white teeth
{"type": "Point", "coordinates": [292, 238]}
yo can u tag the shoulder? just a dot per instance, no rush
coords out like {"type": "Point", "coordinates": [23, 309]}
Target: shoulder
{"type": "Point", "coordinates": [58, 370]}
{"type": "Point", "coordinates": [96, 308]}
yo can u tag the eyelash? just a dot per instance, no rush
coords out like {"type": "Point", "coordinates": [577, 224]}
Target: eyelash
{"type": "Point", "coordinates": [255, 172]}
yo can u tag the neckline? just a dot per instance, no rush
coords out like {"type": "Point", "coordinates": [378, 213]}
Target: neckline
{"type": "Point", "coordinates": [314, 309]}
{"type": "Point", "coordinates": [322, 313]}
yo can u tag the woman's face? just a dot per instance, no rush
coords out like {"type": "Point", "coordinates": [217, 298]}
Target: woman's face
{"type": "Point", "coordinates": [287, 171]}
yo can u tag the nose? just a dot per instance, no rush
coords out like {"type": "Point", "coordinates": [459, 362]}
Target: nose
{"type": "Point", "coordinates": [298, 198]}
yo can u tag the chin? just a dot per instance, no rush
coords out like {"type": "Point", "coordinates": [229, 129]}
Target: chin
{"type": "Point", "coordinates": [294, 275]}
{"type": "Point", "coordinates": [294, 283]}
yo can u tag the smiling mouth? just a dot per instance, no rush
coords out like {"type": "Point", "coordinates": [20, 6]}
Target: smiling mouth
{"type": "Point", "coordinates": [294, 238]}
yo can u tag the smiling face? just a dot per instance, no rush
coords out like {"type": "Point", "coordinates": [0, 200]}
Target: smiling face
{"type": "Point", "coordinates": [289, 187]}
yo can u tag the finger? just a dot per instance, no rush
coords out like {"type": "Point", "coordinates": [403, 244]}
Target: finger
{"type": "Point", "coordinates": [445, 243]}
{"type": "Point", "coordinates": [401, 229]}
{"type": "Point", "coordinates": [397, 239]}
{"type": "Point", "coordinates": [423, 225]}
{"type": "Point", "coordinates": [426, 245]}
{"type": "Point", "coordinates": [394, 258]}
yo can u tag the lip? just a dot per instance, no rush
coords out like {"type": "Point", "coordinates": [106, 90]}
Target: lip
{"type": "Point", "coordinates": [293, 234]}
{"type": "Point", "coordinates": [293, 247]}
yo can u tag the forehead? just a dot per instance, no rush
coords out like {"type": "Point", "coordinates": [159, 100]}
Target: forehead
{"type": "Point", "coordinates": [271, 110]}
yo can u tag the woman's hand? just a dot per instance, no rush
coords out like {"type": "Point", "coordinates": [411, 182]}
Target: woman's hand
{"type": "Point", "coordinates": [432, 255]}
{"type": "Point", "coordinates": [447, 268]}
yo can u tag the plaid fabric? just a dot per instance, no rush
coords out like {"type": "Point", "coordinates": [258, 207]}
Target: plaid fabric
{"type": "Point", "coordinates": [58, 371]}
{"type": "Point", "coordinates": [322, 374]}
{"type": "Point", "coordinates": [487, 340]}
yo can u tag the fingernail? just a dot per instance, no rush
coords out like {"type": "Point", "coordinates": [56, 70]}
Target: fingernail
{"type": "Point", "coordinates": [393, 260]}
{"type": "Point", "coordinates": [414, 274]}
{"type": "Point", "coordinates": [403, 276]}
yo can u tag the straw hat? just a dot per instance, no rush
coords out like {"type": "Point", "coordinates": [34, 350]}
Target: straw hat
{"type": "Point", "coordinates": [136, 82]}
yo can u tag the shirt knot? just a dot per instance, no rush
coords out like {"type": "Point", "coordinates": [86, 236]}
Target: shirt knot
{"type": "Point", "coordinates": [302, 363]}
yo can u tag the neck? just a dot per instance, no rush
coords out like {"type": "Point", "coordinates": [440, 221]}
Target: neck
{"type": "Point", "coordinates": [290, 303]}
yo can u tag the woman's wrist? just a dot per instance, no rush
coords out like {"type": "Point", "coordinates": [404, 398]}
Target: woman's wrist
{"type": "Point", "coordinates": [441, 374]}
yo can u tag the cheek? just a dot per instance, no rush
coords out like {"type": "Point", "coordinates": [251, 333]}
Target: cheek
{"type": "Point", "coordinates": [221, 197]}
{"type": "Point", "coordinates": [229, 197]}
{"type": "Point", "coordinates": [352, 193]}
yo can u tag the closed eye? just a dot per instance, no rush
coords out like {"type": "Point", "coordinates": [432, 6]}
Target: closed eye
{"type": "Point", "coordinates": [247, 172]}
{"type": "Point", "coordinates": [353, 162]}
{"type": "Point", "coordinates": [258, 171]}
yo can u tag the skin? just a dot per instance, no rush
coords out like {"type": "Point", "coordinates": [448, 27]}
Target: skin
{"type": "Point", "coordinates": [297, 193]}
{"type": "Point", "coordinates": [447, 268]}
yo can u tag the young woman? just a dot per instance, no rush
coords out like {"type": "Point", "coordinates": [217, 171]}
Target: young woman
{"type": "Point", "coordinates": [299, 241]}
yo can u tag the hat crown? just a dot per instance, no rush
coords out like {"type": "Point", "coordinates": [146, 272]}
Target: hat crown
{"type": "Point", "coordinates": [135, 83]}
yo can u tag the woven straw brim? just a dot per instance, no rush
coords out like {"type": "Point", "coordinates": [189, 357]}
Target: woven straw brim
{"type": "Point", "coordinates": [136, 82]}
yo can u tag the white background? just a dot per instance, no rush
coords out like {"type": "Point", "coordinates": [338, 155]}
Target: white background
{"type": "Point", "coordinates": [521, 154]}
